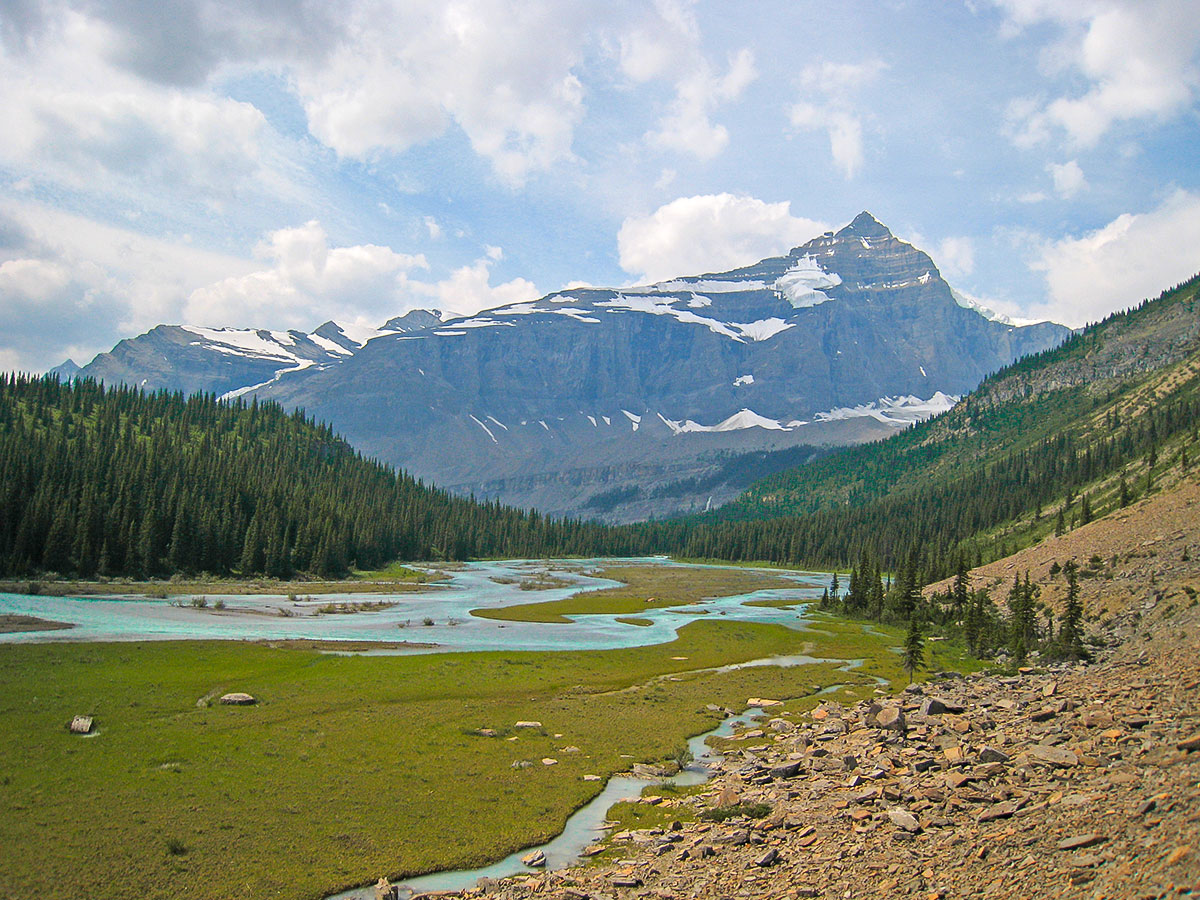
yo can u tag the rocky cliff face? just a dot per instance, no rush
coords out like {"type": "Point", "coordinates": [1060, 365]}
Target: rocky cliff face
{"type": "Point", "coordinates": [648, 394]}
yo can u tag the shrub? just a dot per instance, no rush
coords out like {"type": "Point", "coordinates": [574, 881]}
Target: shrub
{"type": "Point", "coordinates": [749, 810]}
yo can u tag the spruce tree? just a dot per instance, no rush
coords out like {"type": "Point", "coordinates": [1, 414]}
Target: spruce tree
{"type": "Point", "coordinates": [1070, 632]}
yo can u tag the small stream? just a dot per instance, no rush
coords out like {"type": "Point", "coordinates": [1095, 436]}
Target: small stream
{"type": "Point", "coordinates": [586, 825]}
{"type": "Point", "coordinates": [584, 828]}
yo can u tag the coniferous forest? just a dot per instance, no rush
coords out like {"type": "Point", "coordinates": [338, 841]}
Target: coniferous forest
{"type": "Point", "coordinates": [114, 481]}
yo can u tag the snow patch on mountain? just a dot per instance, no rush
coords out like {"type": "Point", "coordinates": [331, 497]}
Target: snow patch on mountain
{"type": "Point", "coordinates": [260, 343]}
{"type": "Point", "coordinates": [485, 428]}
{"type": "Point", "coordinates": [238, 392]}
{"type": "Point", "coordinates": [968, 302]}
{"type": "Point", "coordinates": [742, 380]}
{"type": "Point", "coordinates": [330, 346]}
{"type": "Point", "coordinates": [803, 285]}
{"type": "Point", "coordinates": [740, 420]}
{"type": "Point", "coordinates": [892, 410]}
{"type": "Point", "coordinates": [763, 329]}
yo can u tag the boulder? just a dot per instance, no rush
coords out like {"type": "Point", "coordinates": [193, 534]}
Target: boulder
{"type": "Point", "coordinates": [902, 818]}
{"type": "Point", "coordinates": [81, 725]}
{"type": "Point", "coordinates": [1055, 756]}
{"type": "Point", "coordinates": [891, 718]}
{"type": "Point", "coordinates": [238, 698]}
{"type": "Point", "coordinates": [535, 860]}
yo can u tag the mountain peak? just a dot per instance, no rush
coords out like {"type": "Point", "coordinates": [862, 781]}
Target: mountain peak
{"type": "Point", "coordinates": [866, 225]}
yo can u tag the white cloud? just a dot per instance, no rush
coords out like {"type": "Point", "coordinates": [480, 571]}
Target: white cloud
{"type": "Point", "coordinates": [74, 119]}
{"type": "Point", "coordinates": [688, 127]}
{"type": "Point", "coordinates": [956, 256]}
{"type": "Point", "coordinates": [1135, 256]}
{"type": "Point", "coordinates": [406, 71]}
{"type": "Point", "coordinates": [709, 233]}
{"type": "Point", "coordinates": [469, 290]}
{"type": "Point", "coordinates": [1068, 178]}
{"type": "Point", "coordinates": [358, 284]}
{"type": "Point", "coordinates": [135, 83]}
{"type": "Point", "coordinates": [835, 84]}
{"type": "Point", "coordinates": [432, 226]}
{"type": "Point", "coordinates": [1138, 59]}
{"type": "Point", "coordinates": [665, 42]}
{"type": "Point", "coordinates": [70, 286]}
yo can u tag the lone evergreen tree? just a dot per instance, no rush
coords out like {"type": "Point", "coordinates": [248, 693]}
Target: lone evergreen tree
{"type": "Point", "coordinates": [1070, 632]}
{"type": "Point", "coordinates": [961, 582]}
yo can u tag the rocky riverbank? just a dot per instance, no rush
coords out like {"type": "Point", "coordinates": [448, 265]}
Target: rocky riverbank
{"type": "Point", "coordinates": [1061, 782]}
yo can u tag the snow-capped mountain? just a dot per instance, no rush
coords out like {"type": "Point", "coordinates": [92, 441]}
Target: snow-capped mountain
{"type": "Point", "coordinates": [635, 401]}
{"type": "Point", "coordinates": [232, 361]}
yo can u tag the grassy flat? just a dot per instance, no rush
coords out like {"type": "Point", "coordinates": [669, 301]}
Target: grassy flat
{"type": "Point", "coordinates": [349, 767]}
{"type": "Point", "coordinates": [11, 624]}
{"type": "Point", "coordinates": [643, 588]}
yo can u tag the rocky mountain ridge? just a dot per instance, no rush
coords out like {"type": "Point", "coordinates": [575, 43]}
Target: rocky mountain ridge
{"type": "Point", "coordinates": [647, 391]}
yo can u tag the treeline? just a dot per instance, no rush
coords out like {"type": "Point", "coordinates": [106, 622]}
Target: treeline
{"type": "Point", "coordinates": [117, 482]}
{"type": "Point", "coordinates": [1026, 627]}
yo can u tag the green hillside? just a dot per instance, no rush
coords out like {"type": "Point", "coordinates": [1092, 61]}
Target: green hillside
{"type": "Point", "coordinates": [1047, 443]}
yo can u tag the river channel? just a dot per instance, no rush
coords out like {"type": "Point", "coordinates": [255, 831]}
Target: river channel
{"type": "Point", "coordinates": [433, 619]}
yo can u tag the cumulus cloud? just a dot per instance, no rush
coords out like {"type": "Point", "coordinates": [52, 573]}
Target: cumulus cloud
{"type": "Point", "coordinates": [1068, 178]}
{"type": "Point", "coordinates": [70, 286]}
{"type": "Point", "coordinates": [666, 43]}
{"type": "Point", "coordinates": [373, 76]}
{"type": "Point", "coordinates": [1137, 58]}
{"type": "Point", "coordinates": [1134, 256]}
{"type": "Point", "coordinates": [833, 85]}
{"type": "Point", "coordinates": [688, 127]}
{"type": "Point", "coordinates": [469, 290]}
{"type": "Point", "coordinates": [73, 118]}
{"type": "Point", "coordinates": [406, 71]}
{"type": "Point", "coordinates": [709, 233]}
{"type": "Point", "coordinates": [359, 284]}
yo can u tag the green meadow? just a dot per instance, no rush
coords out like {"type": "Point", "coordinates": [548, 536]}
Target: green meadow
{"type": "Point", "coordinates": [350, 766]}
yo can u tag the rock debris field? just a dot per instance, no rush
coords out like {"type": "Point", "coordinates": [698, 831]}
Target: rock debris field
{"type": "Point", "coordinates": [1076, 781]}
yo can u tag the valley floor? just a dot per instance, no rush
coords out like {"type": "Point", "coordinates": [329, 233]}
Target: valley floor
{"type": "Point", "coordinates": [1068, 781]}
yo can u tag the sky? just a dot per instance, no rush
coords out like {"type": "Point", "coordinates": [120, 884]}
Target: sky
{"type": "Point", "coordinates": [279, 163]}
